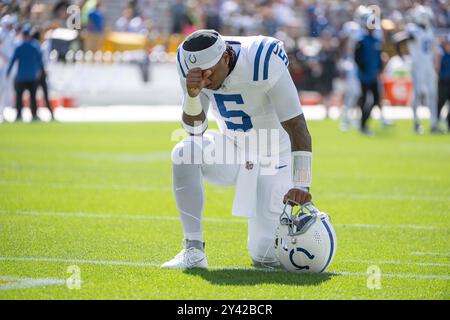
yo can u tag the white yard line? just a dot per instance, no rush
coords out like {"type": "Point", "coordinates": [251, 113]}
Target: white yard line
{"type": "Point", "coordinates": [431, 253]}
{"type": "Point", "coordinates": [154, 264]}
{"type": "Point", "coordinates": [425, 264]}
{"type": "Point", "coordinates": [137, 188]}
{"type": "Point", "coordinates": [22, 283]}
{"type": "Point", "coordinates": [175, 218]}
{"type": "Point", "coordinates": [64, 185]}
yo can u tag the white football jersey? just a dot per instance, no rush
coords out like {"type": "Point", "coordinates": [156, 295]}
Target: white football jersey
{"type": "Point", "coordinates": [421, 48]}
{"type": "Point", "coordinates": [353, 32]}
{"type": "Point", "coordinates": [7, 43]}
{"type": "Point", "coordinates": [242, 104]}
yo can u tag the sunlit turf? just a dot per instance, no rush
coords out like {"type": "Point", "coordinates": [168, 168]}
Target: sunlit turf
{"type": "Point", "coordinates": [99, 196]}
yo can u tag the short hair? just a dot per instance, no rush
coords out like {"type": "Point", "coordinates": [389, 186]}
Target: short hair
{"type": "Point", "coordinates": [200, 41]}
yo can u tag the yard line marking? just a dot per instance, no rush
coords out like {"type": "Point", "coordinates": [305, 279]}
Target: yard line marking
{"type": "Point", "coordinates": [98, 262]}
{"type": "Point", "coordinates": [432, 253]}
{"type": "Point", "coordinates": [110, 216]}
{"type": "Point", "coordinates": [428, 264]}
{"type": "Point", "coordinates": [350, 195]}
{"type": "Point", "coordinates": [63, 185]}
{"type": "Point", "coordinates": [374, 196]}
{"type": "Point", "coordinates": [22, 283]}
{"type": "Point", "coordinates": [154, 264]}
{"type": "Point", "coordinates": [175, 218]}
{"type": "Point", "coordinates": [395, 275]}
{"type": "Point", "coordinates": [376, 226]}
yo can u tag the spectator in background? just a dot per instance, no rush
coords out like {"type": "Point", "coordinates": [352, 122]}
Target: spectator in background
{"type": "Point", "coordinates": [317, 20]}
{"type": "Point", "coordinates": [327, 58]}
{"type": "Point", "coordinates": [179, 12]}
{"type": "Point", "coordinates": [269, 22]}
{"type": "Point", "coordinates": [444, 80]}
{"type": "Point", "coordinates": [368, 60]}
{"type": "Point", "coordinates": [128, 22]}
{"type": "Point", "coordinates": [59, 12]}
{"type": "Point", "coordinates": [29, 58]}
{"type": "Point", "coordinates": [86, 7]}
{"type": "Point", "coordinates": [187, 25]}
{"type": "Point", "coordinates": [442, 14]}
{"type": "Point", "coordinates": [212, 17]}
{"type": "Point", "coordinates": [95, 28]}
{"type": "Point", "coordinates": [42, 81]}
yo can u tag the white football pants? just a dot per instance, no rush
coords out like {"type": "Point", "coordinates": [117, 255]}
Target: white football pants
{"type": "Point", "coordinates": [189, 193]}
{"type": "Point", "coordinates": [425, 83]}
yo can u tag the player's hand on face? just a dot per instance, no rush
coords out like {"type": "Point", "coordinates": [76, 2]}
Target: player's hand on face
{"type": "Point", "coordinates": [196, 80]}
{"type": "Point", "coordinates": [297, 195]}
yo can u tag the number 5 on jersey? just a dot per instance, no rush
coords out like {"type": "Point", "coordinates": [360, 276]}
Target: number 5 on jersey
{"type": "Point", "coordinates": [246, 122]}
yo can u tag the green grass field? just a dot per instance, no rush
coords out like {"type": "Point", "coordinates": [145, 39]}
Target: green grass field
{"type": "Point", "coordinates": [98, 196]}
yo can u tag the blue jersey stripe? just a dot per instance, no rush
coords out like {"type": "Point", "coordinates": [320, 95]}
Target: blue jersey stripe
{"type": "Point", "coordinates": [330, 234]}
{"type": "Point", "coordinates": [267, 59]}
{"type": "Point", "coordinates": [257, 60]}
{"type": "Point", "coordinates": [179, 63]}
{"type": "Point", "coordinates": [185, 63]}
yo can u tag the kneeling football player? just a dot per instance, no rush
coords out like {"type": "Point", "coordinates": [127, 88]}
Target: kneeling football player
{"type": "Point", "coordinates": [246, 83]}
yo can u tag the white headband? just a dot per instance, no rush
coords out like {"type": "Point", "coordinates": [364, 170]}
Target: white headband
{"type": "Point", "coordinates": [206, 58]}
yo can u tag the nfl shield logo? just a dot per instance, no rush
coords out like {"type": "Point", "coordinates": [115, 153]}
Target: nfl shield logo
{"type": "Point", "coordinates": [248, 165]}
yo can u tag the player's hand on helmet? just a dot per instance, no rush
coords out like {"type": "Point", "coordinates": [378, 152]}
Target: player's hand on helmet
{"type": "Point", "coordinates": [196, 80]}
{"type": "Point", "coordinates": [295, 196]}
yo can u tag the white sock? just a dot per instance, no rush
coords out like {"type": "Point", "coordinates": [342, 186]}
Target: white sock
{"type": "Point", "coordinates": [189, 197]}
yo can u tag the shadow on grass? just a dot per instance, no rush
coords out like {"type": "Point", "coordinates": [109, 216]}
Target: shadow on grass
{"type": "Point", "coordinates": [255, 277]}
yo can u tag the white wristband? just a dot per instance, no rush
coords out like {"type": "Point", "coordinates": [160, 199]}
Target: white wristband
{"type": "Point", "coordinates": [192, 106]}
{"type": "Point", "coordinates": [301, 169]}
{"type": "Point", "coordinates": [196, 130]}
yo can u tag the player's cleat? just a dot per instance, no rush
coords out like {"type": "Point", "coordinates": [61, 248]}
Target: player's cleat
{"type": "Point", "coordinates": [437, 130]}
{"type": "Point", "coordinates": [344, 126]}
{"type": "Point", "coordinates": [190, 257]}
{"type": "Point", "coordinates": [366, 132]}
{"type": "Point", "coordinates": [386, 123]}
{"type": "Point", "coordinates": [418, 128]}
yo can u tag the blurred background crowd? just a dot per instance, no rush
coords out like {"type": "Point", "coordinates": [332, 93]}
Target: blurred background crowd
{"type": "Point", "coordinates": [141, 32]}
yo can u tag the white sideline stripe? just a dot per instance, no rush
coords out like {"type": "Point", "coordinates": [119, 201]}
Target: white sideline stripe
{"type": "Point", "coordinates": [154, 264]}
{"type": "Point", "coordinates": [171, 218]}
{"type": "Point", "coordinates": [171, 113]}
{"type": "Point", "coordinates": [22, 283]}
{"type": "Point", "coordinates": [432, 253]}
{"type": "Point", "coordinates": [427, 264]}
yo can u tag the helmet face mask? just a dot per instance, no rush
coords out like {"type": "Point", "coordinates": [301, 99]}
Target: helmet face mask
{"type": "Point", "coordinates": [299, 221]}
{"type": "Point", "coordinates": [305, 240]}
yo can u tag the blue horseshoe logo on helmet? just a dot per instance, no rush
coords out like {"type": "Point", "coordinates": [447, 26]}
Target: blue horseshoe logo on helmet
{"type": "Point", "coordinates": [192, 58]}
{"type": "Point", "coordinates": [306, 252]}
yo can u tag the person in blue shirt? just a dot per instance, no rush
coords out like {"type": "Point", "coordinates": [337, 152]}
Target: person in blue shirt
{"type": "Point", "coordinates": [95, 28]}
{"type": "Point", "coordinates": [42, 81]}
{"type": "Point", "coordinates": [28, 56]}
{"type": "Point", "coordinates": [96, 22]}
{"type": "Point", "coordinates": [444, 80]}
{"type": "Point", "coordinates": [368, 60]}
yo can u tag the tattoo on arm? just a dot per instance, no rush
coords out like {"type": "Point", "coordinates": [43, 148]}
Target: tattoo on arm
{"type": "Point", "coordinates": [298, 133]}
